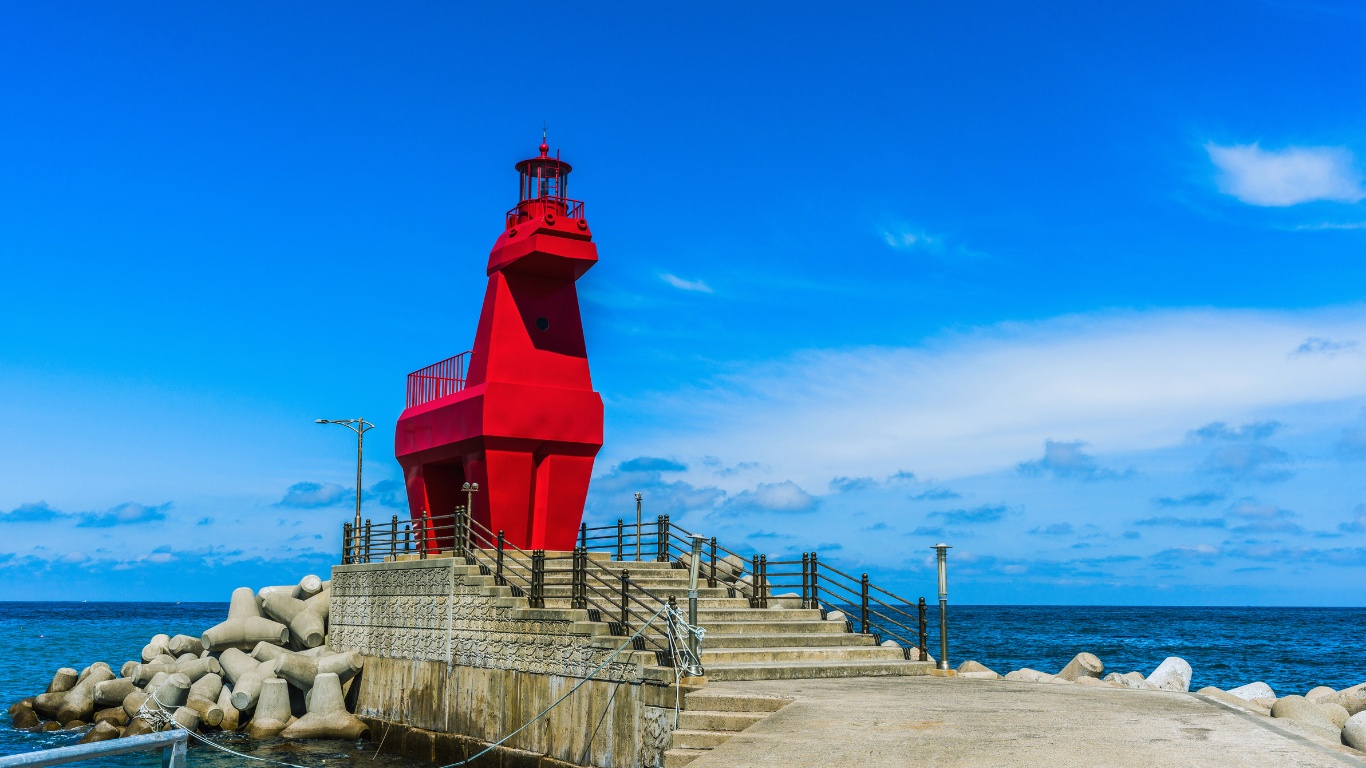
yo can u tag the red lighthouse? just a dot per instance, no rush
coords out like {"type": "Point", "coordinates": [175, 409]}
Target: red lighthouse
{"type": "Point", "coordinates": [517, 414]}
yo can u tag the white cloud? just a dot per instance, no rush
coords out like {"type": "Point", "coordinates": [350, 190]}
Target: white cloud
{"type": "Point", "coordinates": [1287, 177]}
{"type": "Point", "coordinates": [686, 285]}
{"type": "Point", "coordinates": [903, 238]}
{"type": "Point", "coordinates": [986, 400]}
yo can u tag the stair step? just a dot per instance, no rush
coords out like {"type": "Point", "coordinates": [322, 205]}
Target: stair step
{"type": "Point", "coordinates": [756, 655]}
{"type": "Point", "coordinates": [772, 627]}
{"type": "Point", "coordinates": [815, 669]}
{"type": "Point", "coordinates": [677, 758]}
{"type": "Point", "coordinates": [717, 641]}
{"type": "Point", "coordinates": [708, 720]}
{"type": "Point", "coordinates": [707, 615]}
{"type": "Point", "coordinates": [689, 739]}
{"type": "Point", "coordinates": [718, 701]}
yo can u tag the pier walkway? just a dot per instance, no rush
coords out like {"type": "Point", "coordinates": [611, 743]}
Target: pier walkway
{"type": "Point", "coordinates": [957, 723]}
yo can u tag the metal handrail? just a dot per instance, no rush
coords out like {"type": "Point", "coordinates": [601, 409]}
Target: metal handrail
{"type": "Point", "coordinates": [173, 744]}
{"type": "Point", "coordinates": [435, 381]}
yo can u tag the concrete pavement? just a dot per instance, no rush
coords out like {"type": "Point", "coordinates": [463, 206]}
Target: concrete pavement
{"type": "Point", "coordinates": [948, 722]}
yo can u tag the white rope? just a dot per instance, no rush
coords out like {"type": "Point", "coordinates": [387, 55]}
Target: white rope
{"type": "Point", "coordinates": [159, 718]}
{"type": "Point", "coordinates": [676, 628]}
{"type": "Point", "coordinates": [662, 609]}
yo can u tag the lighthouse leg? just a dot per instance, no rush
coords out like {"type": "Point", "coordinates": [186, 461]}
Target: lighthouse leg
{"type": "Point", "coordinates": [561, 488]}
{"type": "Point", "coordinates": [510, 478]}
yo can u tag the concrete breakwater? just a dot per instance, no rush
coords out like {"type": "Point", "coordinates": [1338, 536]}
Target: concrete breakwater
{"type": "Point", "coordinates": [455, 661]}
{"type": "Point", "coordinates": [1329, 715]}
{"type": "Point", "coordinates": [264, 670]}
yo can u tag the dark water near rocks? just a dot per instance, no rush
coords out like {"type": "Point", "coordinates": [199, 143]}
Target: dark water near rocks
{"type": "Point", "coordinates": [1292, 649]}
{"type": "Point", "coordinates": [39, 638]}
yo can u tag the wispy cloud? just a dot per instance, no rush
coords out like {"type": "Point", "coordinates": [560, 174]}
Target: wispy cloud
{"type": "Point", "coordinates": [1133, 381]}
{"type": "Point", "coordinates": [1068, 460]}
{"type": "Point", "coordinates": [1288, 176]}
{"type": "Point", "coordinates": [1317, 346]}
{"type": "Point", "coordinates": [1183, 522]}
{"type": "Point", "coordinates": [1352, 443]}
{"type": "Point", "coordinates": [127, 513]}
{"type": "Point", "coordinates": [987, 513]}
{"type": "Point", "coordinates": [308, 495]}
{"type": "Point", "coordinates": [697, 286]}
{"type": "Point", "coordinates": [1357, 523]}
{"type": "Point", "coordinates": [1242, 454]}
{"type": "Point", "coordinates": [1200, 499]}
{"type": "Point", "coordinates": [786, 496]}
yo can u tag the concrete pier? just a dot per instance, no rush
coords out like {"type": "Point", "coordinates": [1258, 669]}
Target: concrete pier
{"type": "Point", "coordinates": [955, 723]}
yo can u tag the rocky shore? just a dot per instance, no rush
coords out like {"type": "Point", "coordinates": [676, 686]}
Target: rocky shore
{"type": "Point", "coordinates": [1333, 716]}
{"type": "Point", "coordinates": [265, 671]}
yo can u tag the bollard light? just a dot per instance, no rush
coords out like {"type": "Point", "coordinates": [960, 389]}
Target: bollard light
{"type": "Point", "coordinates": [942, 551]}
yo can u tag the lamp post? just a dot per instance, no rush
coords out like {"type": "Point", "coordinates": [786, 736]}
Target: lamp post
{"type": "Point", "coordinates": [470, 489]}
{"type": "Point", "coordinates": [942, 552]}
{"type": "Point", "coordinates": [638, 497]}
{"type": "Point", "coordinates": [360, 427]}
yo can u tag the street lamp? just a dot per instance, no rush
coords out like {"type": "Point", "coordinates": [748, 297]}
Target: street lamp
{"type": "Point", "coordinates": [360, 427]}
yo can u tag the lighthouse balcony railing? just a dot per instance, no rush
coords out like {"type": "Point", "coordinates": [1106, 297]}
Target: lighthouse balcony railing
{"type": "Point", "coordinates": [437, 380]}
{"type": "Point", "coordinates": [539, 206]}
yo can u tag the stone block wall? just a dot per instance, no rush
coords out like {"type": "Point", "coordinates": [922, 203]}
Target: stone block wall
{"type": "Point", "coordinates": [450, 652]}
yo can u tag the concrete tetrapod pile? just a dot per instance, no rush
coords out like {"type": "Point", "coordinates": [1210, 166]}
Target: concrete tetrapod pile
{"type": "Point", "coordinates": [265, 671]}
{"type": "Point", "coordinates": [1333, 716]}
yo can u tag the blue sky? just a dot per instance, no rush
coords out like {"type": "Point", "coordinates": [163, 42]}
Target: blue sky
{"type": "Point", "coordinates": [1077, 289]}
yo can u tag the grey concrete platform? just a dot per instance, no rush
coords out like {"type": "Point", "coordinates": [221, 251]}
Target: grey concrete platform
{"type": "Point", "coordinates": [931, 721]}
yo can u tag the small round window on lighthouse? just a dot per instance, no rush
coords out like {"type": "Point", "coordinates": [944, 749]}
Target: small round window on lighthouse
{"type": "Point", "coordinates": [542, 324]}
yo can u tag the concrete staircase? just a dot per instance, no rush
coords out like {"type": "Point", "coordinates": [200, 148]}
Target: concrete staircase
{"type": "Point", "coordinates": [783, 641]}
{"type": "Point", "coordinates": [711, 719]}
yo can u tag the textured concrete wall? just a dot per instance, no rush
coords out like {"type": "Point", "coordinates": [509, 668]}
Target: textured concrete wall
{"type": "Point", "coordinates": [448, 651]}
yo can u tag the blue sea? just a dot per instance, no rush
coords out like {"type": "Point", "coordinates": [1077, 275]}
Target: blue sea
{"type": "Point", "coordinates": [1292, 649]}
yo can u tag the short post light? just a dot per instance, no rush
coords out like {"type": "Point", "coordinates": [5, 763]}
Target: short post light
{"type": "Point", "coordinates": [470, 489]}
{"type": "Point", "coordinates": [942, 551]}
{"type": "Point", "coordinates": [693, 564]}
{"type": "Point", "coordinates": [638, 497]}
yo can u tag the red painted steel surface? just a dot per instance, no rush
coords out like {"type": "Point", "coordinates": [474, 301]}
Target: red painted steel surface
{"type": "Point", "coordinates": [524, 423]}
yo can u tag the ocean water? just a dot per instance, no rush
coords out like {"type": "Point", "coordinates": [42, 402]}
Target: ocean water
{"type": "Point", "coordinates": [1292, 649]}
{"type": "Point", "coordinates": [39, 638]}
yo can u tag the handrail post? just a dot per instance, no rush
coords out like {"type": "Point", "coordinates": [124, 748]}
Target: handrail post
{"type": "Point", "coordinates": [763, 591]}
{"type": "Point", "coordinates": [620, 531]}
{"type": "Point", "coordinates": [693, 563]}
{"type": "Point", "coordinates": [924, 652]}
{"type": "Point", "coordinates": [754, 581]}
{"type": "Point", "coordinates": [662, 539]}
{"type": "Point", "coordinates": [499, 580]}
{"type": "Point", "coordinates": [711, 577]}
{"type": "Point", "coordinates": [173, 756]}
{"type": "Point", "coordinates": [538, 578]}
{"type": "Point", "coordinates": [942, 556]}
{"type": "Point", "coordinates": [393, 538]}
{"type": "Point", "coordinates": [407, 538]}
{"type": "Point", "coordinates": [458, 531]}
{"type": "Point", "coordinates": [863, 608]}
{"type": "Point", "coordinates": [625, 598]}
{"type": "Point", "coordinates": [367, 539]}
{"type": "Point", "coordinates": [638, 497]}
{"type": "Point", "coordinates": [346, 543]}
{"type": "Point", "coordinates": [578, 591]}
{"type": "Point", "coordinates": [426, 532]}
{"type": "Point", "coordinates": [815, 582]}
{"type": "Point", "coordinates": [806, 576]}
{"type": "Point", "coordinates": [583, 536]}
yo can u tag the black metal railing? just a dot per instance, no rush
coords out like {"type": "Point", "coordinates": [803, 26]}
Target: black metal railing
{"type": "Point", "coordinates": [868, 608]}
{"type": "Point", "coordinates": [608, 594]}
